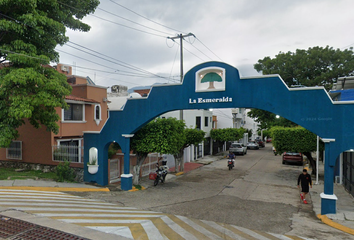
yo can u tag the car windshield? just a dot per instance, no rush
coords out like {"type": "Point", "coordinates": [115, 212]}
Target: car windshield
{"type": "Point", "coordinates": [293, 154]}
{"type": "Point", "coordinates": [236, 145]}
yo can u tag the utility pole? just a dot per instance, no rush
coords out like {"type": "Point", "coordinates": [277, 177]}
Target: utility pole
{"type": "Point", "coordinates": [181, 36]}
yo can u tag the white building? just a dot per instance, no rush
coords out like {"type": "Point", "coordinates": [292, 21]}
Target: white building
{"type": "Point", "coordinates": [236, 118]}
{"type": "Point", "coordinates": [200, 119]}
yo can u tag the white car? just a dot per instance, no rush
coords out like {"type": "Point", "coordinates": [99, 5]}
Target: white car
{"type": "Point", "coordinates": [238, 148]}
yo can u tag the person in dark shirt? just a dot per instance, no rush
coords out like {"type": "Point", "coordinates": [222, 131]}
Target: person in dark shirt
{"type": "Point", "coordinates": [232, 156]}
{"type": "Point", "coordinates": [306, 181]}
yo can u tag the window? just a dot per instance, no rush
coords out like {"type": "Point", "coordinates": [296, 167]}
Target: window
{"type": "Point", "coordinates": [198, 122]}
{"type": "Point", "coordinates": [75, 112]}
{"type": "Point", "coordinates": [69, 150]}
{"type": "Point", "coordinates": [14, 151]}
{"type": "Point", "coordinates": [206, 121]}
{"type": "Point", "coordinates": [97, 112]}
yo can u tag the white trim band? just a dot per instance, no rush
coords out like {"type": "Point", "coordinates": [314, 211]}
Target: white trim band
{"type": "Point", "coordinates": [328, 196]}
{"type": "Point", "coordinates": [126, 175]}
{"type": "Point", "coordinates": [128, 135]}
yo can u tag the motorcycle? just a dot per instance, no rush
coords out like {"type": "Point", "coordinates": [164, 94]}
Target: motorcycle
{"type": "Point", "coordinates": [161, 173]}
{"type": "Point", "coordinates": [230, 163]}
{"type": "Point", "coordinates": [274, 151]}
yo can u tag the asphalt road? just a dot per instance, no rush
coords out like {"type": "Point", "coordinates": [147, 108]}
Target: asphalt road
{"type": "Point", "coordinates": [260, 193]}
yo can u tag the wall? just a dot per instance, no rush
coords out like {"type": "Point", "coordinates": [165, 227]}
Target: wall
{"type": "Point", "coordinates": [36, 145]}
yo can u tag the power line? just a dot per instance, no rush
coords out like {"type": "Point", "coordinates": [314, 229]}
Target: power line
{"type": "Point", "coordinates": [132, 21]}
{"type": "Point", "coordinates": [347, 46]}
{"type": "Point", "coordinates": [128, 65]}
{"type": "Point", "coordinates": [100, 57]}
{"type": "Point", "coordinates": [127, 26]}
{"type": "Point", "coordinates": [119, 24]}
{"type": "Point", "coordinates": [124, 64]}
{"type": "Point", "coordinates": [83, 67]}
{"type": "Point", "coordinates": [133, 75]}
{"type": "Point", "coordinates": [207, 47]}
{"type": "Point", "coordinates": [146, 17]}
{"type": "Point", "coordinates": [174, 60]}
{"type": "Point", "coordinates": [200, 51]}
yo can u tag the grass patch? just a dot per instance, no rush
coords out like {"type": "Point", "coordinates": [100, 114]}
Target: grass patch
{"type": "Point", "coordinates": [6, 173]}
{"type": "Point", "coordinates": [137, 187]}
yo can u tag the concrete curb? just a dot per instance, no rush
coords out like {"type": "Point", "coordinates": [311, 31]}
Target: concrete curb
{"type": "Point", "coordinates": [338, 226]}
{"type": "Point", "coordinates": [59, 189]}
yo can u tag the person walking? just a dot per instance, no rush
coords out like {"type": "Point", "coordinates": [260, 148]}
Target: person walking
{"type": "Point", "coordinates": [306, 181]}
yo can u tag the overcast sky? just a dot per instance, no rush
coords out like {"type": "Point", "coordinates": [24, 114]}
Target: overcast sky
{"type": "Point", "coordinates": [237, 32]}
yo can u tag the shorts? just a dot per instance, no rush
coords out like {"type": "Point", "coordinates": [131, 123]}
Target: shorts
{"type": "Point", "coordinates": [305, 188]}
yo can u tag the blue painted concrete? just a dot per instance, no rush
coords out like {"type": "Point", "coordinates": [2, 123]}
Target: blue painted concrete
{"type": "Point", "coordinates": [127, 182]}
{"type": "Point", "coordinates": [328, 206]}
{"type": "Point", "coordinates": [311, 108]}
{"type": "Point", "coordinates": [345, 95]}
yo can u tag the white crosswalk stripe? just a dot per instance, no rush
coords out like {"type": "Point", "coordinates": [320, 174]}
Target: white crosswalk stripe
{"type": "Point", "coordinates": [127, 222]}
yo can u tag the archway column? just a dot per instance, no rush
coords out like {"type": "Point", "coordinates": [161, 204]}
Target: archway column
{"type": "Point", "coordinates": [328, 198]}
{"type": "Point", "coordinates": [126, 177]}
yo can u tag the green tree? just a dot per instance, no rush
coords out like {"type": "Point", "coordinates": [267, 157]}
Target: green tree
{"type": "Point", "coordinates": [268, 120]}
{"type": "Point", "coordinates": [112, 149]}
{"type": "Point", "coordinates": [316, 66]}
{"type": "Point", "coordinates": [30, 89]}
{"type": "Point", "coordinates": [296, 139]}
{"type": "Point", "coordinates": [227, 134]}
{"type": "Point", "coordinates": [165, 136]}
{"type": "Point", "coordinates": [192, 137]}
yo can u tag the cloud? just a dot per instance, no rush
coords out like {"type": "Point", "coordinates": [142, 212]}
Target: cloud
{"type": "Point", "coordinates": [237, 32]}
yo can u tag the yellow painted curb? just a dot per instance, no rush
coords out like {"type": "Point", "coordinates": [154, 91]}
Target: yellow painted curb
{"type": "Point", "coordinates": [179, 173]}
{"type": "Point", "coordinates": [338, 226]}
{"type": "Point", "coordinates": [134, 189]}
{"type": "Point", "coordinates": [59, 189]}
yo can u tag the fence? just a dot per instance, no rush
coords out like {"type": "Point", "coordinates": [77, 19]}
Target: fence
{"type": "Point", "coordinates": [149, 164]}
{"type": "Point", "coordinates": [70, 153]}
{"type": "Point", "coordinates": [114, 170]}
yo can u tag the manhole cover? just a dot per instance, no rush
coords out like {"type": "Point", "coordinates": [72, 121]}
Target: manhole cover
{"type": "Point", "coordinates": [12, 228]}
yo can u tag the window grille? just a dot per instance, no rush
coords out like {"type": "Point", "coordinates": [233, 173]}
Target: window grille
{"type": "Point", "coordinates": [14, 151]}
{"type": "Point", "coordinates": [68, 151]}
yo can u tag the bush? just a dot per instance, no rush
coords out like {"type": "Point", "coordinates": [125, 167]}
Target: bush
{"type": "Point", "coordinates": [64, 172]}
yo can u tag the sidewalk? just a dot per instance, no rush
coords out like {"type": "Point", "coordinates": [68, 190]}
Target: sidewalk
{"type": "Point", "coordinates": [344, 218]}
{"type": "Point", "coordinates": [44, 185]}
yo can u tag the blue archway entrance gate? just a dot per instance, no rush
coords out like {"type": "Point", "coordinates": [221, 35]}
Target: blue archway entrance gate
{"type": "Point", "coordinates": [218, 85]}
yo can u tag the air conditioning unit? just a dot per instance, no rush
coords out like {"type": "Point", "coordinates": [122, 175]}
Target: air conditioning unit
{"type": "Point", "coordinates": [235, 110]}
{"type": "Point", "coordinates": [65, 68]}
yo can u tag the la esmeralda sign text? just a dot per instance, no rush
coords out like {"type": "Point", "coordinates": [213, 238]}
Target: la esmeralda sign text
{"type": "Point", "coordinates": [210, 100]}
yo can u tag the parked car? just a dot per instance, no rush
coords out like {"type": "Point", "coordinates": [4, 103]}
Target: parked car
{"type": "Point", "coordinates": [252, 145]}
{"type": "Point", "coordinates": [238, 148]}
{"type": "Point", "coordinates": [260, 143]}
{"type": "Point", "coordinates": [269, 140]}
{"type": "Point", "coordinates": [293, 157]}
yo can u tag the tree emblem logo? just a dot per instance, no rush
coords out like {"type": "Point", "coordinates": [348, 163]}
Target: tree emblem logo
{"type": "Point", "coordinates": [210, 79]}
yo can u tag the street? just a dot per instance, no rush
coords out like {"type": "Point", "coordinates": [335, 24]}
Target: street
{"type": "Point", "coordinates": [259, 193]}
